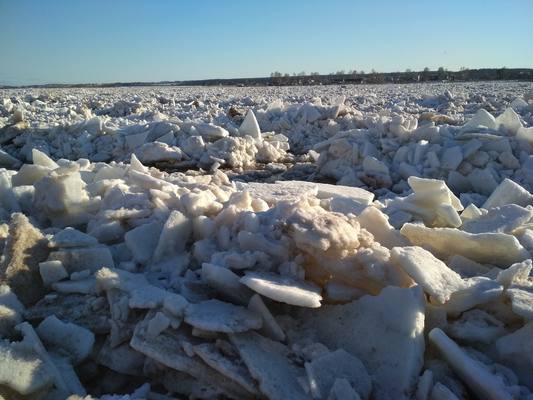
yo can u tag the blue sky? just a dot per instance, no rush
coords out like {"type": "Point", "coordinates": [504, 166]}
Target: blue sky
{"type": "Point", "coordinates": [74, 41]}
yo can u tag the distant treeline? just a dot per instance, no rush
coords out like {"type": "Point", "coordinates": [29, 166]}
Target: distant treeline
{"type": "Point", "coordinates": [278, 79]}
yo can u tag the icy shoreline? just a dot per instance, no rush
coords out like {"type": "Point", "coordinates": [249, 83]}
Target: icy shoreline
{"type": "Point", "coordinates": [410, 278]}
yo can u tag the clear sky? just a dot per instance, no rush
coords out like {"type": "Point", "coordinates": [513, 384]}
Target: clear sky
{"type": "Point", "coordinates": [74, 41]}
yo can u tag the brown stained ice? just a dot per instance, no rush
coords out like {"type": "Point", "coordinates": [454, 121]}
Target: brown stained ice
{"type": "Point", "coordinates": [26, 247]}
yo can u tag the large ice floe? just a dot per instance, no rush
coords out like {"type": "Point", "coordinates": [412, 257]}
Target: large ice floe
{"type": "Point", "coordinates": [142, 260]}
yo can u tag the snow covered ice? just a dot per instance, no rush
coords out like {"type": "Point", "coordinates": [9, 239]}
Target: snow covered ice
{"type": "Point", "coordinates": [358, 242]}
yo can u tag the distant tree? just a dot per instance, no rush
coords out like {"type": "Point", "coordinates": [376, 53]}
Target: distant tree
{"type": "Point", "coordinates": [426, 69]}
{"type": "Point", "coordinates": [462, 69]}
{"type": "Point", "coordinates": [353, 72]}
{"type": "Point", "coordinates": [374, 71]}
{"type": "Point", "coordinates": [408, 70]}
{"type": "Point", "coordinates": [362, 72]}
{"type": "Point", "coordinates": [286, 75]}
{"type": "Point", "coordinates": [441, 70]}
{"type": "Point", "coordinates": [275, 74]}
{"type": "Point", "coordinates": [301, 73]}
{"type": "Point", "coordinates": [340, 72]}
{"type": "Point", "coordinates": [315, 73]}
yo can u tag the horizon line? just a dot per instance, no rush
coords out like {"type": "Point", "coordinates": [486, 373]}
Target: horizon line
{"type": "Point", "coordinates": [283, 75]}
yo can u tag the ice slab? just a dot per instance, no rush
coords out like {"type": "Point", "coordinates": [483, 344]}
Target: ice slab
{"type": "Point", "coordinates": [166, 349]}
{"type": "Point", "coordinates": [283, 289]}
{"type": "Point", "coordinates": [266, 361]}
{"type": "Point", "coordinates": [270, 326]}
{"type": "Point", "coordinates": [217, 316]}
{"type": "Point", "coordinates": [514, 350]}
{"type": "Point", "coordinates": [70, 339]}
{"type": "Point", "coordinates": [143, 240]}
{"type": "Point", "coordinates": [21, 368]}
{"type": "Point", "coordinates": [439, 281]}
{"type": "Point", "coordinates": [478, 378]}
{"type": "Point", "coordinates": [82, 258]}
{"type": "Point", "coordinates": [174, 236]}
{"type": "Point", "coordinates": [70, 237]}
{"type": "Point", "coordinates": [503, 219]}
{"type": "Point", "coordinates": [491, 248]}
{"type": "Point", "coordinates": [52, 271]}
{"type": "Point", "coordinates": [230, 367]}
{"type": "Point", "coordinates": [508, 192]}
{"type": "Point", "coordinates": [392, 324]}
{"type": "Point", "coordinates": [323, 371]}
{"type": "Point", "coordinates": [273, 193]}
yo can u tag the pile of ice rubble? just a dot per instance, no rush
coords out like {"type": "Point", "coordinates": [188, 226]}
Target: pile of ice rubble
{"type": "Point", "coordinates": [474, 157]}
{"type": "Point", "coordinates": [239, 127]}
{"type": "Point", "coordinates": [119, 278]}
{"type": "Point", "coordinates": [164, 140]}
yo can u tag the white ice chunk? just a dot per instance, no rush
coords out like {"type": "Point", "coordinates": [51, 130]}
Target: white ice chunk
{"type": "Point", "coordinates": [231, 367]}
{"type": "Point", "coordinates": [217, 316]}
{"type": "Point", "coordinates": [52, 271]}
{"type": "Point", "coordinates": [470, 212]}
{"type": "Point", "coordinates": [377, 223]}
{"type": "Point", "coordinates": [270, 327]}
{"type": "Point", "coordinates": [211, 131]}
{"type": "Point", "coordinates": [142, 294]}
{"type": "Point", "coordinates": [508, 192]}
{"type": "Point", "coordinates": [142, 241]}
{"type": "Point", "coordinates": [476, 326]}
{"type": "Point", "coordinates": [9, 299]}
{"type": "Point", "coordinates": [41, 159]}
{"type": "Point", "coordinates": [516, 273]}
{"type": "Point", "coordinates": [154, 152]}
{"type": "Point", "coordinates": [283, 289]}
{"type": "Point", "coordinates": [73, 340]}
{"type": "Point", "coordinates": [509, 121]}
{"type": "Point", "coordinates": [481, 118]}
{"type": "Point", "coordinates": [342, 390]}
{"type": "Point", "coordinates": [425, 384]}
{"type": "Point", "coordinates": [21, 368]}
{"type": "Point", "coordinates": [474, 375]}
{"type": "Point", "coordinates": [250, 126]}
{"type": "Point", "coordinates": [174, 236]}
{"type": "Point", "coordinates": [226, 282]}
{"type": "Point", "coordinates": [272, 193]}
{"type": "Point", "coordinates": [441, 392]}
{"type": "Point", "coordinates": [81, 258]}
{"type": "Point", "coordinates": [451, 158]}
{"type": "Point", "coordinates": [503, 219]}
{"type": "Point", "coordinates": [478, 290]}
{"type": "Point", "coordinates": [266, 361]}
{"type": "Point", "coordinates": [496, 248]}
{"type": "Point", "coordinates": [326, 191]}
{"type": "Point", "coordinates": [515, 350]}
{"type": "Point", "coordinates": [323, 371]}
{"type": "Point", "coordinates": [521, 301]}
{"type": "Point", "coordinates": [392, 326]}
{"type": "Point", "coordinates": [133, 141]}
{"type": "Point", "coordinates": [432, 274]}
{"type": "Point", "coordinates": [7, 160]}
{"type": "Point", "coordinates": [70, 237]}
{"type": "Point", "coordinates": [157, 324]}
